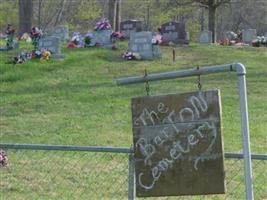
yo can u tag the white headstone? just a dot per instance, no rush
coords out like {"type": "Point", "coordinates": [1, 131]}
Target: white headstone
{"type": "Point", "coordinates": [205, 37]}
{"type": "Point", "coordinates": [249, 35]}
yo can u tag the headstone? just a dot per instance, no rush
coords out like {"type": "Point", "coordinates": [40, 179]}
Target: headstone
{"type": "Point", "coordinates": [52, 44]}
{"type": "Point", "coordinates": [141, 43]}
{"type": "Point", "coordinates": [102, 38]}
{"type": "Point", "coordinates": [178, 146]}
{"type": "Point", "coordinates": [265, 35]}
{"type": "Point", "coordinates": [249, 35]}
{"type": "Point", "coordinates": [205, 37]}
{"type": "Point", "coordinates": [62, 32]}
{"type": "Point", "coordinates": [174, 32]}
{"type": "Point", "coordinates": [130, 26]}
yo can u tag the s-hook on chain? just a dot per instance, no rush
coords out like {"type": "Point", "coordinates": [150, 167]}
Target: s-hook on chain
{"type": "Point", "coordinates": [146, 83]}
{"type": "Point", "coordinates": [199, 85]}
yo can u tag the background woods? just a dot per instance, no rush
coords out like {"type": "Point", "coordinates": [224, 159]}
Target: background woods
{"type": "Point", "coordinates": [81, 15]}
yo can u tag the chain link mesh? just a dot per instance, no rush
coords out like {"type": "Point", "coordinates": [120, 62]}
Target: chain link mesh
{"type": "Point", "coordinates": [37, 174]}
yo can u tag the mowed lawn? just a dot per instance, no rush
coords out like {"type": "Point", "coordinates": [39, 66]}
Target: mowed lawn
{"type": "Point", "coordinates": [77, 102]}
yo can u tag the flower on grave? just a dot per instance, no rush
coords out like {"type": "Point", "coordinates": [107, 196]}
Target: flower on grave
{"type": "Point", "coordinates": [88, 39]}
{"type": "Point", "coordinates": [35, 34]}
{"type": "Point", "coordinates": [131, 56]}
{"type": "Point", "coordinates": [118, 35]}
{"type": "Point", "coordinates": [77, 39]}
{"type": "Point", "coordinates": [46, 55]}
{"type": "Point", "coordinates": [3, 158]}
{"type": "Point", "coordinates": [157, 39]}
{"type": "Point", "coordinates": [102, 24]}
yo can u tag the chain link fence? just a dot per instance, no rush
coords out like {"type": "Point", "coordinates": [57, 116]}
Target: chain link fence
{"type": "Point", "coordinates": [42, 174]}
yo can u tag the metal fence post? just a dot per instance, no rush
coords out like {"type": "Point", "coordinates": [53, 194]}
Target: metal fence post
{"type": "Point", "coordinates": [241, 72]}
{"type": "Point", "coordinates": [131, 178]}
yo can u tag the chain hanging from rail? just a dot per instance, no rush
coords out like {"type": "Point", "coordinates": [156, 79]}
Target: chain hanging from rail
{"type": "Point", "coordinates": [199, 85]}
{"type": "Point", "coordinates": [146, 83]}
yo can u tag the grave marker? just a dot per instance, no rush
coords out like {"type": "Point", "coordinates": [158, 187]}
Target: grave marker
{"type": "Point", "coordinates": [102, 38]}
{"type": "Point", "coordinates": [141, 43]}
{"type": "Point", "coordinates": [174, 32]}
{"type": "Point", "coordinates": [249, 35]}
{"type": "Point", "coordinates": [52, 44]}
{"type": "Point", "coordinates": [130, 26]}
{"type": "Point", "coordinates": [178, 145]}
{"type": "Point", "coordinates": [62, 32]}
{"type": "Point", "coordinates": [205, 37]}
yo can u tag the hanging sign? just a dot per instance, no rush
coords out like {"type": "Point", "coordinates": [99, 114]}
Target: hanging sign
{"type": "Point", "coordinates": [178, 146]}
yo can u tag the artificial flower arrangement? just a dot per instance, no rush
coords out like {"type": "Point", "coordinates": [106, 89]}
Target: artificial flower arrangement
{"type": "Point", "coordinates": [3, 158]}
{"type": "Point", "coordinates": [102, 24]}
{"type": "Point", "coordinates": [261, 41]}
{"type": "Point", "coordinates": [131, 56]}
{"type": "Point", "coordinates": [27, 55]}
{"type": "Point", "coordinates": [35, 34]}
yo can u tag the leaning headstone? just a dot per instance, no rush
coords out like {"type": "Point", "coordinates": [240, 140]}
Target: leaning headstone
{"type": "Point", "coordinates": [102, 38]}
{"type": "Point", "coordinates": [249, 35]}
{"type": "Point", "coordinates": [52, 44]}
{"type": "Point", "coordinates": [141, 43]}
{"type": "Point", "coordinates": [174, 32]}
{"type": "Point", "coordinates": [130, 26]}
{"type": "Point", "coordinates": [62, 32]}
{"type": "Point", "coordinates": [205, 37]}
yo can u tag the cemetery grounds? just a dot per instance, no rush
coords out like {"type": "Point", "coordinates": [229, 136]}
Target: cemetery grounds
{"type": "Point", "coordinates": [76, 102]}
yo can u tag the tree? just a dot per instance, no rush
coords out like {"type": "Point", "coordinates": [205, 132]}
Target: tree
{"type": "Point", "coordinates": [25, 15]}
{"type": "Point", "coordinates": [211, 5]}
{"type": "Point", "coordinates": [112, 12]}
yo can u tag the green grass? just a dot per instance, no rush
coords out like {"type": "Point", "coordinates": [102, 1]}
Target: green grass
{"type": "Point", "coordinates": [76, 102]}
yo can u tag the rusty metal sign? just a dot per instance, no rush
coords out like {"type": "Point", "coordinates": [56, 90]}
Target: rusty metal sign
{"type": "Point", "coordinates": [178, 146]}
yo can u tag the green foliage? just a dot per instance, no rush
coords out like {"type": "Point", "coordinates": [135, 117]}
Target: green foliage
{"type": "Point", "coordinates": [8, 13]}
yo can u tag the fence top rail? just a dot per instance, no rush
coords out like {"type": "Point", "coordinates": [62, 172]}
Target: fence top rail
{"type": "Point", "coordinates": [103, 149]}
{"type": "Point", "coordinates": [66, 148]}
{"type": "Point", "coordinates": [237, 67]}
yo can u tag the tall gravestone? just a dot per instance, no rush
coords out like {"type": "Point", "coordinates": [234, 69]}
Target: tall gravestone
{"type": "Point", "coordinates": [205, 37]}
{"type": "Point", "coordinates": [249, 35]}
{"type": "Point", "coordinates": [178, 145]}
{"type": "Point", "coordinates": [130, 26]}
{"type": "Point", "coordinates": [141, 43]}
{"type": "Point", "coordinates": [52, 44]}
{"type": "Point", "coordinates": [174, 32]}
{"type": "Point", "coordinates": [62, 32]}
{"type": "Point", "coordinates": [102, 38]}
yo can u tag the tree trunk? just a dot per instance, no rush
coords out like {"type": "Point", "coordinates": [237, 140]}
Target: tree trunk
{"type": "Point", "coordinates": [25, 16]}
{"type": "Point", "coordinates": [212, 12]}
{"type": "Point", "coordinates": [118, 15]}
{"type": "Point", "coordinates": [112, 12]}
